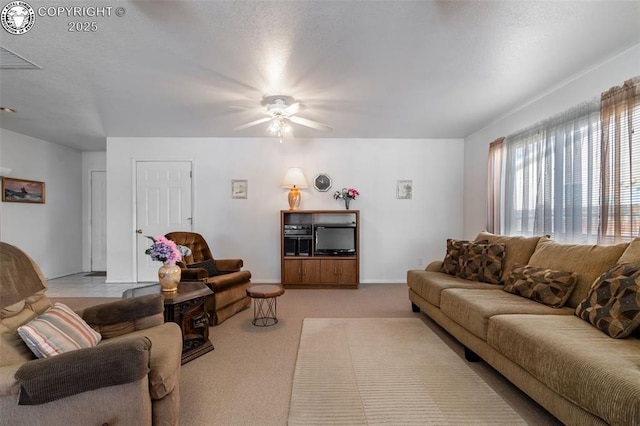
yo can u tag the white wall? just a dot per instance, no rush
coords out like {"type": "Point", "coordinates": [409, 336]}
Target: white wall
{"type": "Point", "coordinates": [91, 162]}
{"type": "Point", "coordinates": [476, 146]}
{"type": "Point", "coordinates": [50, 232]}
{"type": "Point", "coordinates": [396, 235]}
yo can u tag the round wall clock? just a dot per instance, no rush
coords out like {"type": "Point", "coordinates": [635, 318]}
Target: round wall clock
{"type": "Point", "coordinates": [322, 182]}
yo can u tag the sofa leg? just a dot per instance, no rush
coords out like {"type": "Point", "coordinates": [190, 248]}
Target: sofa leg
{"type": "Point", "coordinates": [414, 307]}
{"type": "Point", "coordinates": [470, 355]}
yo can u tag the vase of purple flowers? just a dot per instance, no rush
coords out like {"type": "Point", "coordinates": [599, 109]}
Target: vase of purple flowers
{"type": "Point", "coordinates": [167, 252]}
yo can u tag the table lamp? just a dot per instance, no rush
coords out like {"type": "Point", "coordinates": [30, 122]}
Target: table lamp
{"type": "Point", "coordinates": [294, 179]}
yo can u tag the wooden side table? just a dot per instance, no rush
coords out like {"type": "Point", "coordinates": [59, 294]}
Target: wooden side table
{"type": "Point", "coordinates": [186, 308]}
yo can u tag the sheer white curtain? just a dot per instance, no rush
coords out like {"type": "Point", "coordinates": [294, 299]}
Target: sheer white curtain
{"type": "Point", "coordinates": [551, 175]}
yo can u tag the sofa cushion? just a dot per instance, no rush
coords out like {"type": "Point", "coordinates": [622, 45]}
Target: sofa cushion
{"type": "Point", "coordinates": [587, 261]}
{"type": "Point", "coordinates": [518, 249]}
{"type": "Point", "coordinates": [430, 284]}
{"type": "Point", "coordinates": [209, 265]}
{"type": "Point", "coordinates": [57, 331]}
{"type": "Point", "coordinates": [613, 302]}
{"type": "Point", "coordinates": [451, 263]}
{"type": "Point", "coordinates": [13, 350]}
{"type": "Point", "coordinates": [631, 253]}
{"type": "Point", "coordinates": [473, 308]}
{"type": "Point", "coordinates": [481, 262]}
{"type": "Point", "coordinates": [543, 285]}
{"type": "Point", "coordinates": [576, 360]}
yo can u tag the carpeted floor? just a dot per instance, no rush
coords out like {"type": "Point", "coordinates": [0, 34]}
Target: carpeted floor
{"type": "Point", "coordinates": [387, 371]}
{"type": "Point", "coordinates": [247, 379]}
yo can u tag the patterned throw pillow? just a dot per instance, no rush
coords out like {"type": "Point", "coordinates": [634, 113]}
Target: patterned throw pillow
{"type": "Point", "coordinates": [543, 285]}
{"type": "Point", "coordinates": [613, 302]}
{"type": "Point", "coordinates": [56, 331]}
{"type": "Point", "coordinates": [208, 264]}
{"type": "Point", "coordinates": [451, 262]}
{"type": "Point", "coordinates": [481, 262]}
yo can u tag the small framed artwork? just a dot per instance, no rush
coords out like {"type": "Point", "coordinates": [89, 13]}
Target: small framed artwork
{"type": "Point", "coordinates": [404, 190]}
{"type": "Point", "coordinates": [22, 191]}
{"type": "Point", "coordinates": [239, 188]}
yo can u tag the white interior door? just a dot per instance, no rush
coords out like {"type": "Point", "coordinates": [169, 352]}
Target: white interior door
{"type": "Point", "coordinates": [163, 204]}
{"type": "Point", "coordinates": [98, 221]}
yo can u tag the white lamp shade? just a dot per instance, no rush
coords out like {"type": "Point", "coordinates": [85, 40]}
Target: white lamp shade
{"type": "Point", "coordinates": [294, 177]}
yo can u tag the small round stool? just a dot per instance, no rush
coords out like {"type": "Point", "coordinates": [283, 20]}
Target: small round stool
{"type": "Point", "coordinates": [260, 294]}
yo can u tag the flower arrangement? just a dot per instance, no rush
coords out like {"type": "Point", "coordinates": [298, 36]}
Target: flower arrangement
{"type": "Point", "coordinates": [346, 194]}
{"type": "Point", "coordinates": [164, 250]}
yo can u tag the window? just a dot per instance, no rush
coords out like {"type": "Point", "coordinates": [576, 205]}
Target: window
{"type": "Point", "coordinates": [620, 153]}
{"type": "Point", "coordinates": [575, 177]}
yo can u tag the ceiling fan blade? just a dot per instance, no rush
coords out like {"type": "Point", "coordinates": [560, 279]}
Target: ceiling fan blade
{"type": "Point", "coordinates": [310, 123]}
{"type": "Point", "coordinates": [292, 109]}
{"type": "Point", "coordinates": [254, 123]}
{"type": "Point", "coordinates": [241, 107]}
{"type": "Point", "coordinates": [257, 110]}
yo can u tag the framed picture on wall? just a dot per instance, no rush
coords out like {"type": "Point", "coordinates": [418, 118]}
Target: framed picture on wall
{"type": "Point", "coordinates": [22, 191]}
{"type": "Point", "coordinates": [404, 190]}
{"type": "Point", "coordinates": [239, 188]}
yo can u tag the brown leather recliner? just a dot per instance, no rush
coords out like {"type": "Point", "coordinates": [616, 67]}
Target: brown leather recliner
{"type": "Point", "coordinates": [229, 286]}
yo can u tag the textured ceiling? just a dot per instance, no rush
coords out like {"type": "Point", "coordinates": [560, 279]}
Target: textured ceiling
{"type": "Point", "coordinates": [392, 69]}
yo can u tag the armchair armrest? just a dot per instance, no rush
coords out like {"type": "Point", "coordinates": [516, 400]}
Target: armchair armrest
{"type": "Point", "coordinates": [108, 364]}
{"type": "Point", "coordinates": [228, 265]}
{"type": "Point", "coordinates": [8, 383]}
{"type": "Point", "coordinates": [434, 266]}
{"type": "Point", "coordinates": [126, 315]}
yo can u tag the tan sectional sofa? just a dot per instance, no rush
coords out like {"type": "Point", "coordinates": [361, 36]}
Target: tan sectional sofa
{"type": "Point", "coordinates": [571, 368]}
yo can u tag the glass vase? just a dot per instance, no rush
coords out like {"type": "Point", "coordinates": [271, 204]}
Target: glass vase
{"type": "Point", "coordinates": [346, 203]}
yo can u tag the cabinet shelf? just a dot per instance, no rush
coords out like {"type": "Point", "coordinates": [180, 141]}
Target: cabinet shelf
{"type": "Point", "coordinates": [302, 266]}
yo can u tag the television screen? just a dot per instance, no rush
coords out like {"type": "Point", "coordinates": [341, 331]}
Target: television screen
{"type": "Point", "coordinates": [335, 239]}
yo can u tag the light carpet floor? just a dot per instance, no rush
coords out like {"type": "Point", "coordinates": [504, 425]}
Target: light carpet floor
{"type": "Point", "coordinates": [247, 379]}
{"type": "Point", "coordinates": [387, 371]}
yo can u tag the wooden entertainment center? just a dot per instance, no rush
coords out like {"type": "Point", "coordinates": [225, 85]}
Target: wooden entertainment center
{"type": "Point", "coordinates": [320, 248]}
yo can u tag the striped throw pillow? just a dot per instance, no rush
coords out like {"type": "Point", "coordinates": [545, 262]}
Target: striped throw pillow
{"type": "Point", "coordinates": [57, 331]}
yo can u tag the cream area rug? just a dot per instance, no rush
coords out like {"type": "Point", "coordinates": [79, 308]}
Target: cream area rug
{"type": "Point", "coordinates": [387, 371]}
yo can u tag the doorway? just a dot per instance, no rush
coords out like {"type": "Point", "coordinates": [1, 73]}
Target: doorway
{"type": "Point", "coordinates": [163, 204]}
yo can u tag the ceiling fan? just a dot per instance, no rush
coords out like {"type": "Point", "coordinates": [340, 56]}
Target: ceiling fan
{"type": "Point", "coordinates": [280, 111]}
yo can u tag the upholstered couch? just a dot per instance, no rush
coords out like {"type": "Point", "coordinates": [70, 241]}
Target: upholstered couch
{"type": "Point", "coordinates": [569, 366]}
{"type": "Point", "coordinates": [131, 377]}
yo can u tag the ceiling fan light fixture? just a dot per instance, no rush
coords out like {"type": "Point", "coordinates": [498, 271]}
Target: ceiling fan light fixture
{"type": "Point", "coordinates": [286, 125]}
{"type": "Point", "coordinates": [275, 126]}
{"type": "Point", "coordinates": [281, 113]}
